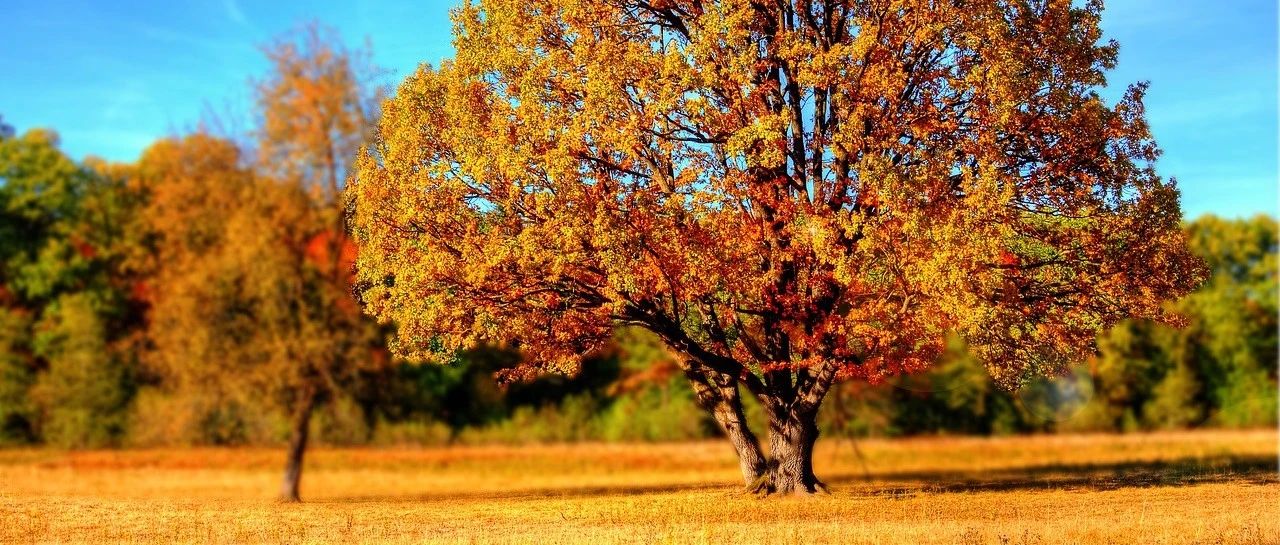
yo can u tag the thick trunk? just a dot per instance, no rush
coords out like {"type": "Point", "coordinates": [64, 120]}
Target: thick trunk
{"type": "Point", "coordinates": [297, 448]}
{"type": "Point", "coordinates": [790, 469]}
{"type": "Point", "coordinates": [793, 428]}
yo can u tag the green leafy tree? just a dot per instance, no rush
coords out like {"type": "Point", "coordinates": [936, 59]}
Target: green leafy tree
{"type": "Point", "coordinates": [1220, 369]}
{"type": "Point", "coordinates": [16, 377]}
{"type": "Point", "coordinates": [1235, 318]}
{"type": "Point", "coordinates": [65, 286]}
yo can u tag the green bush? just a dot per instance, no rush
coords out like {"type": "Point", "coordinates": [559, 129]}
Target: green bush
{"type": "Point", "coordinates": [410, 433]}
{"type": "Point", "coordinates": [83, 396]}
{"type": "Point", "coordinates": [341, 422]}
{"type": "Point", "coordinates": [1173, 402]}
{"type": "Point", "coordinates": [664, 412]}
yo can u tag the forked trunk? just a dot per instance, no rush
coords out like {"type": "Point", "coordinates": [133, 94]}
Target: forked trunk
{"type": "Point", "coordinates": [793, 428]}
{"type": "Point", "coordinates": [734, 423]}
{"type": "Point", "coordinates": [297, 448]}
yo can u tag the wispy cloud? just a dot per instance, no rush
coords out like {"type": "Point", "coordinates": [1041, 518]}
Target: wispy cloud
{"type": "Point", "coordinates": [235, 13]}
{"type": "Point", "coordinates": [174, 36]}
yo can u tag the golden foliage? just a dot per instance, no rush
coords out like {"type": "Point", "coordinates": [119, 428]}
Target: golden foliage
{"type": "Point", "coordinates": [769, 186]}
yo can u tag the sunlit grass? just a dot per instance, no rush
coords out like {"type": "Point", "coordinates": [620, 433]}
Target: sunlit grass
{"type": "Point", "coordinates": [1190, 487]}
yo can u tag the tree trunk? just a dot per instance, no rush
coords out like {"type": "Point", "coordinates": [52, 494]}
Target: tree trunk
{"type": "Point", "coordinates": [793, 428]}
{"type": "Point", "coordinates": [297, 447]}
{"type": "Point", "coordinates": [790, 468]}
{"type": "Point", "coordinates": [732, 421]}
{"type": "Point", "coordinates": [718, 394]}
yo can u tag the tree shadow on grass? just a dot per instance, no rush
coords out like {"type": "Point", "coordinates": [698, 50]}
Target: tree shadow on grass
{"type": "Point", "coordinates": [1097, 477]}
{"type": "Point", "coordinates": [1087, 476]}
{"type": "Point", "coordinates": [537, 493]}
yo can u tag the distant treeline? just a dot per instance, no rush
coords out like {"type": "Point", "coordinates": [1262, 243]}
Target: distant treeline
{"type": "Point", "coordinates": [84, 361]}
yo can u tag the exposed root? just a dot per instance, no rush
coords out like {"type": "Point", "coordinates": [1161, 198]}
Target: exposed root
{"type": "Point", "coordinates": [762, 486]}
{"type": "Point", "coordinates": [821, 488]}
{"type": "Point", "coordinates": [772, 484]}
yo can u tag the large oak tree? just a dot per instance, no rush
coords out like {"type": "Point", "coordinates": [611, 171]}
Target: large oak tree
{"type": "Point", "coordinates": [788, 193]}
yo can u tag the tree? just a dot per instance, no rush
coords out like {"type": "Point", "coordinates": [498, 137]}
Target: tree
{"type": "Point", "coordinates": [1236, 318]}
{"type": "Point", "coordinates": [245, 311]}
{"type": "Point", "coordinates": [252, 291]}
{"type": "Point", "coordinates": [83, 393]}
{"type": "Point", "coordinates": [69, 316]}
{"type": "Point", "coordinates": [214, 255]}
{"type": "Point", "coordinates": [317, 106]}
{"type": "Point", "coordinates": [1220, 368]}
{"type": "Point", "coordinates": [786, 193]}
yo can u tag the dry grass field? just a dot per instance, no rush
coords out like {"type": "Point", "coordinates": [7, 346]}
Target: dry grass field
{"type": "Point", "coordinates": [1214, 487]}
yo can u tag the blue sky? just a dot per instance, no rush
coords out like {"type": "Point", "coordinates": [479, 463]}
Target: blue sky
{"type": "Point", "coordinates": [111, 77]}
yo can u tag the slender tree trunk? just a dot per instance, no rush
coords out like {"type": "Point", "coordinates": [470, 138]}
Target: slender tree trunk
{"type": "Point", "coordinates": [734, 423]}
{"type": "Point", "coordinates": [297, 448]}
{"type": "Point", "coordinates": [718, 394]}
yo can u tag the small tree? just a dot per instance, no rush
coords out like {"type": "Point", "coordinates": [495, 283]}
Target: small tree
{"type": "Point", "coordinates": [254, 267]}
{"type": "Point", "coordinates": [787, 193]}
{"type": "Point", "coordinates": [316, 107]}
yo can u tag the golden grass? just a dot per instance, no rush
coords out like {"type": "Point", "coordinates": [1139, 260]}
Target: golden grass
{"type": "Point", "coordinates": [1211, 487]}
